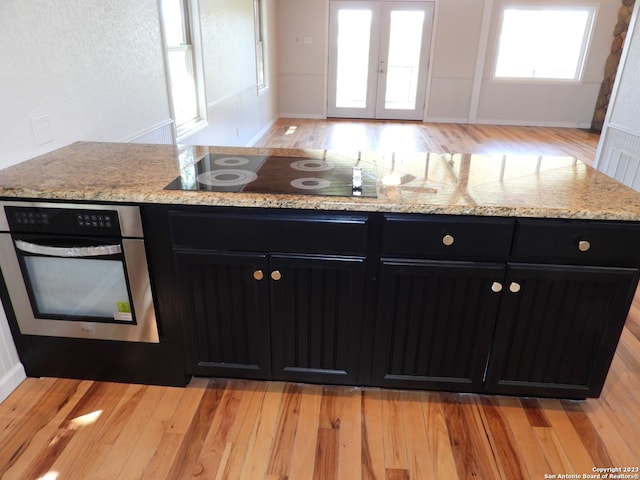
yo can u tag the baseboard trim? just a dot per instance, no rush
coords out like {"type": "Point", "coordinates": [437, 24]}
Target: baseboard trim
{"type": "Point", "coordinates": [10, 380]}
{"type": "Point", "coordinates": [262, 132]}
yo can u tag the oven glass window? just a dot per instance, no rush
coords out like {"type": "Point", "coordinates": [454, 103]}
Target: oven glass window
{"type": "Point", "coordinates": [78, 287]}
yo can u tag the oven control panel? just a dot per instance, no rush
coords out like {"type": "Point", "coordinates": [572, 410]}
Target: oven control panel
{"type": "Point", "coordinates": [63, 220]}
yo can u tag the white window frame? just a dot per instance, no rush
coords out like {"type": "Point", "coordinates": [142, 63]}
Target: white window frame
{"type": "Point", "coordinates": [592, 10]}
{"type": "Point", "coordinates": [260, 31]}
{"type": "Point", "coordinates": [192, 45]}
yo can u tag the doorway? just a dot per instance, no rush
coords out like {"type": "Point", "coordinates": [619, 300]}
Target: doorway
{"type": "Point", "coordinates": [378, 58]}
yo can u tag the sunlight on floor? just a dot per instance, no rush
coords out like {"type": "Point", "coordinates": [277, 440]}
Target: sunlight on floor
{"type": "Point", "coordinates": [84, 420]}
{"type": "Point", "coordinates": [49, 476]}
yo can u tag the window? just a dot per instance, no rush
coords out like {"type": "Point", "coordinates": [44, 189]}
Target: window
{"type": "Point", "coordinates": [261, 69]}
{"type": "Point", "coordinates": [543, 42]}
{"type": "Point", "coordinates": [182, 64]}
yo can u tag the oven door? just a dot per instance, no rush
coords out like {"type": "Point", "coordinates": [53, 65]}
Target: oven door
{"type": "Point", "coordinates": [75, 278]}
{"type": "Point", "coordinates": [78, 287]}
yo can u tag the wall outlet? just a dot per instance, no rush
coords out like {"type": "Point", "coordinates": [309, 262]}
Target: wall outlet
{"type": "Point", "coordinates": [42, 129]}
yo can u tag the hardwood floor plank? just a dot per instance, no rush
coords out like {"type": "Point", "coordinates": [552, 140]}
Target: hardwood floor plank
{"type": "Point", "coordinates": [395, 446]}
{"type": "Point", "coordinates": [280, 459]}
{"type": "Point", "coordinates": [326, 457]}
{"type": "Point", "coordinates": [502, 440]}
{"type": "Point", "coordinates": [421, 463]}
{"type": "Point", "coordinates": [439, 440]}
{"type": "Point", "coordinates": [241, 430]}
{"type": "Point", "coordinates": [616, 446]}
{"type": "Point", "coordinates": [350, 450]}
{"type": "Point", "coordinates": [588, 435]}
{"type": "Point", "coordinates": [151, 436]}
{"type": "Point", "coordinates": [527, 441]}
{"type": "Point", "coordinates": [554, 453]}
{"type": "Point", "coordinates": [372, 457]}
{"type": "Point", "coordinates": [175, 431]}
{"type": "Point", "coordinates": [17, 439]}
{"type": "Point", "coordinates": [215, 443]}
{"type": "Point", "coordinates": [130, 435]}
{"type": "Point", "coordinates": [304, 447]}
{"type": "Point", "coordinates": [567, 436]}
{"type": "Point", "coordinates": [472, 453]}
{"type": "Point", "coordinates": [79, 426]}
{"type": "Point", "coordinates": [261, 441]}
{"type": "Point", "coordinates": [185, 461]}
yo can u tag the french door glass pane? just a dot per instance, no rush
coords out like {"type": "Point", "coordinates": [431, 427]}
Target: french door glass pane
{"type": "Point", "coordinates": [403, 64]}
{"type": "Point", "coordinates": [354, 37]}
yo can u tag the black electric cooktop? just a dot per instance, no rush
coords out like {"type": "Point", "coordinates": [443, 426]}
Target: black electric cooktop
{"type": "Point", "coordinates": [336, 176]}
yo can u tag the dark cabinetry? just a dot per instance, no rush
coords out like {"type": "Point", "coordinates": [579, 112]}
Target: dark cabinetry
{"type": "Point", "coordinates": [462, 303]}
{"type": "Point", "coordinates": [272, 296]}
{"type": "Point", "coordinates": [437, 314]}
{"type": "Point", "coordinates": [542, 318]}
{"type": "Point", "coordinates": [561, 317]}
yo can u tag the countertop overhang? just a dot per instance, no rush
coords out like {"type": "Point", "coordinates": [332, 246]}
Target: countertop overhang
{"type": "Point", "coordinates": [432, 183]}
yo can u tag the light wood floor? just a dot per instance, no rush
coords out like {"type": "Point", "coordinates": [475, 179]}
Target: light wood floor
{"type": "Point", "coordinates": [431, 137]}
{"type": "Point", "coordinates": [230, 429]}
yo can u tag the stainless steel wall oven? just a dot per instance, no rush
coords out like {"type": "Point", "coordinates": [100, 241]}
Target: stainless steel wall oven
{"type": "Point", "coordinates": [77, 270]}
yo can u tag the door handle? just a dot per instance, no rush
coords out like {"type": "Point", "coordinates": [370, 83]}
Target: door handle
{"type": "Point", "coordinates": [258, 275]}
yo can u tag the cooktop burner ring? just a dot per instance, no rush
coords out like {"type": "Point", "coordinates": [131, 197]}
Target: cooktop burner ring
{"type": "Point", "coordinates": [310, 183]}
{"type": "Point", "coordinates": [311, 165]}
{"type": "Point", "coordinates": [231, 161]}
{"type": "Point", "coordinates": [229, 177]}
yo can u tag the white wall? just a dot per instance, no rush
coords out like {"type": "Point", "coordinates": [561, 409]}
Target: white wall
{"type": "Point", "coordinates": [236, 113]}
{"type": "Point", "coordinates": [94, 66]}
{"type": "Point", "coordinates": [461, 89]}
{"type": "Point", "coordinates": [302, 65]}
{"type": "Point", "coordinates": [618, 153]}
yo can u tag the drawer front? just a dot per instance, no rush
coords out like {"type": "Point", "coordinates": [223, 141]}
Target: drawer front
{"type": "Point", "coordinates": [457, 237]}
{"type": "Point", "coordinates": [577, 242]}
{"type": "Point", "coordinates": [303, 233]}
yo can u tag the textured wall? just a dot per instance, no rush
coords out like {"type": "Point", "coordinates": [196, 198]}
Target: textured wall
{"type": "Point", "coordinates": [94, 66]}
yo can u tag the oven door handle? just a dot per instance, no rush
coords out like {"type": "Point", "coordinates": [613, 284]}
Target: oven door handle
{"type": "Point", "coordinates": [68, 252]}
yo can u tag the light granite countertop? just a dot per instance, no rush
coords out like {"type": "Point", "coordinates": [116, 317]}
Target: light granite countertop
{"type": "Point", "coordinates": [457, 184]}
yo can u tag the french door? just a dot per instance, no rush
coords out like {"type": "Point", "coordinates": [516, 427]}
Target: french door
{"type": "Point", "coordinates": [378, 58]}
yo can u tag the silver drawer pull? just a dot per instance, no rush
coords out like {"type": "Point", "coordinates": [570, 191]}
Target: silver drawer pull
{"type": "Point", "coordinates": [514, 287]}
{"type": "Point", "coordinates": [448, 240]}
{"type": "Point", "coordinates": [496, 287]}
{"type": "Point", "coordinates": [584, 245]}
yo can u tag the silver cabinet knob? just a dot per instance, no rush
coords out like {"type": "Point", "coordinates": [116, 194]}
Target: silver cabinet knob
{"type": "Point", "coordinates": [496, 287]}
{"type": "Point", "coordinates": [514, 287]}
{"type": "Point", "coordinates": [448, 240]}
{"type": "Point", "coordinates": [276, 275]}
{"type": "Point", "coordinates": [258, 275]}
{"type": "Point", "coordinates": [584, 245]}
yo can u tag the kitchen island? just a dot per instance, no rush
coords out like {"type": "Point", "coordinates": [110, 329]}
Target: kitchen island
{"type": "Point", "coordinates": [495, 274]}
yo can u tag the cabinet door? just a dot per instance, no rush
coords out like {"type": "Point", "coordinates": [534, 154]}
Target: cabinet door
{"type": "Point", "coordinates": [316, 315]}
{"type": "Point", "coordinates": [558, 329]}
{"type": "Point", "coordinates": [227, 319]}
{"type": "Point", "coordinates": [435, 323]}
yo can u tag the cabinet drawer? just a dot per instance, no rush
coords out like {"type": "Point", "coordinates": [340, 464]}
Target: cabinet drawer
{"type": "Point", "coordinates": [443, 236]}
{"type": "Point", "coordinates": [577, 242]}
{"type": "Point", "coordinates": [267, 232]}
